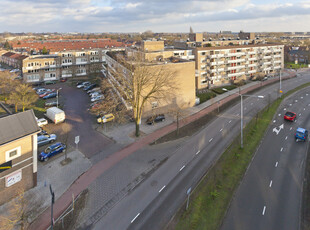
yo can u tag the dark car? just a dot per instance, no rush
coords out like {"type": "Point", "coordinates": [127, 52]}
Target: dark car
{"type": "Point", "coordinates": [290, 116]}
{"type": "Point", "coordinates": [46, 138]}
{"type": "Point", "coordinates": [52, 150]}
{"type": "Point", "coordinates": [90, 87]}
{"type": "Point", "coordinates": [51, 95]}
{"type": "Point", "coordinates": [155, 119]}
{"type": "Point", "coordinates": [51, 103]}
{"type": "Point", "coordinates": [301, 134]}
{"type": "Point", "coordinates": [50, 82]}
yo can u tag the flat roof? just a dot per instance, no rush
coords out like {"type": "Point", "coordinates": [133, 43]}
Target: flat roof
{"type": "Point", "coordinates": [236, 46]}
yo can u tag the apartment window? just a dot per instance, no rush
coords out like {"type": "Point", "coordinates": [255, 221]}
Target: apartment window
{"type": "Point", "coordinates": [12, 154]}
{"type": "Point", "coordinates": [46, 63]}
{"type": "Point", "coordinates": [203, 53]}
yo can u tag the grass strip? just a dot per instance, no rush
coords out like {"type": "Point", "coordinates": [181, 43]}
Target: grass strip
{"type": "Point", "coordinates": [211, 197]}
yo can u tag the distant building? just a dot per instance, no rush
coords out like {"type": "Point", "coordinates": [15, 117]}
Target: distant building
{"type": "Point", "coordinates": [13, 59]}
{"type": "Point", "coordinates": [249, 36]}
{"type": "Point", "coordinates": [18, 153]}
{"type": "Point", "coordinates": [300, 54]}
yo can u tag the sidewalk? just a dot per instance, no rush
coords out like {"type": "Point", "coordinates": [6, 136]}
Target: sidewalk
{"type": "Point", "coordinates": [84, 181]}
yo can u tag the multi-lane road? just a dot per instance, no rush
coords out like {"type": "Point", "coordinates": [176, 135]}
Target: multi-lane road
{"type": "Point", "coordinates": [152, 204]}
{"type": "Point", "coordinates": [270, 195]}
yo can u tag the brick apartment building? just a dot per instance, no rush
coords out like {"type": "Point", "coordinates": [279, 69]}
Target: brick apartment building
{"type": "Point", "coordinates": [18, 153]}
{"type": "Point", "coordinates": [12, 59]}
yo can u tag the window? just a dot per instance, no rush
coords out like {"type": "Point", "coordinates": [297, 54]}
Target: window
{"type": "Point", "coordinates": [12, 154]}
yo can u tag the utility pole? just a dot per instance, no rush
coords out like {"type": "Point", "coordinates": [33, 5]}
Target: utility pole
{"type": "Point", "coordinates": [53, 201]}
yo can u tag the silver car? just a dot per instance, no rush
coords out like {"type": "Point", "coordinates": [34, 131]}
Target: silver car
{"type": "Point", "coordinates": [46, 139]}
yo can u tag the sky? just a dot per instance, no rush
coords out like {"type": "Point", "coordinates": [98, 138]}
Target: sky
{"type": "Point", "coordinates": [155, 15]}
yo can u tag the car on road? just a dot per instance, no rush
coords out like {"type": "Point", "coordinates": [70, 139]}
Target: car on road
{"type": "Point", "coordinates": [84, 84]}
{"type": "Point", "coordinates": [51, 95]}
{"type": "Point", "coordinates": [46, 139]}
{"type": "Point", "coordinates": [97, 98]}
{"type": "Point", "coordinates": [290, 116]}
{"type": "Point", "coordinates": [301, 134]}
{"type": "Point", "coordinates": [105, 118]}
{"type": "Point", "coordinates": [52, 150]}
{"type": "Point", "coordinates": [41, 122]}
{"type": "Point", "coordinates": [155, 119]}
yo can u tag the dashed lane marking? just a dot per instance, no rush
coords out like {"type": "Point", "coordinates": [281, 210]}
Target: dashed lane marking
{"type": "Point", "coordinates": [270, 184]}
{"type": "Point", "coordinates": [281, 149]}
{"type": "Point", "coordinates": [162, 188]}
{"type": "Point", "coordinates": [229, 121]}
{"type": "Point", "coordinates": [286, 138]}
{"type": "Point", "coordinates": [182, 168]}
{"type": "Point", "coordinates": [276, 165]}
{"type": "Point", "coordinates": [210, 139]}
{"type": "Point", "coordinates": [135, 217]}
{"type": "Point", "coordinates": [198, 152]}
{"type": "Point", "coordinates": [264, 209]}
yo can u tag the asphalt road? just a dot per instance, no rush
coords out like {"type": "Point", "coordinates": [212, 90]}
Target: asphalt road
{"type": "Point", "coordinates": [270, 195]}
{"type": "Point", "coordinates": [153, 203]}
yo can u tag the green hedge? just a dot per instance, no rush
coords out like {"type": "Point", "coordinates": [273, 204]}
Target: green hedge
{"type": "Point", "coordinates": [206, 96]}
{"type": "Point", "coordinates": [220, 89]}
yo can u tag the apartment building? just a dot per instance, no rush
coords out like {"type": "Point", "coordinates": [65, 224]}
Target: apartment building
{"type": "Point", "coordinates": [184, 73]}
{"type": "Point", "coordinates": [219, 65]}
{"type": "Point", "coordinates": [73, 63]}
{"type": "Point", "coordinates": [18, 153]}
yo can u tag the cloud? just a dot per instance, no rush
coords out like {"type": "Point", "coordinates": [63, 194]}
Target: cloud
{"type": "Point", "coordinates": [140, 15]}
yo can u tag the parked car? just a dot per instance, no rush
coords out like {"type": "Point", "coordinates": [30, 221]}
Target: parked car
{"type": "Point", "coordinates": [155, 119]}
{"type": "Point", "coordinates": [95, 94]}
{"type": "Point", "coordinates": [93, 90]}
{"type": "Point", "coordinates": [40, 90]}
{"type": "Point", "coordinates": [85, 83]}
{"type": "Point", "coordinates": [52, 150]}
{"type": "Point", "coordinates": [51, 103]}
{"type": "Point", "coordinates": [41, 122]}
{"type": "Point", "coordinates": [42, 132]}
{"type": "Point", "coordinates": [86, 88]}
{"type": "Point", "coordinates": [97, 98]}
{"type": "Point", "coordinates": [301, 134]}
{"type": "Point", "coordinates": [47, 92]}
{"type": "Point", "coordinates": [105, 118]}
{"type": "Point", "coordinates": [79, 83]}
{"type": "Point", "coordinates": [45, 139]}
{"type": "Point", "coordinates": [63, 79]}
{"type": "Point", "coordinates": [51, 95]}
{"type": "Point", "coordinates": [290, 116]}
{"type": "Point", "coordinates": [50, 82]}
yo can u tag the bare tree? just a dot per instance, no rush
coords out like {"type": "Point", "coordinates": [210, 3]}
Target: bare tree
{"type": "Point", "coordinates": [65, 132]}
{"type": "Point", "coordinates": [137, 83]}
{"type": "Point", "coordinates": [178, 113]}
{"type": "Point", "coordinates": [23, 96]}
{"type": "Point", "coordinates": [17, 213]}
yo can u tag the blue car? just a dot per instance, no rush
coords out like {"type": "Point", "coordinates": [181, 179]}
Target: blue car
{"type": "Point", "coordinates": [51, 95]}
{"type": "Point", "coordinates": [301, 134]}
{"type": "Point", "coordinates": [52, 150]}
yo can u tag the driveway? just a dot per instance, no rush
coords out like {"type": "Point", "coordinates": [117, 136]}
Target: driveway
{"type": "Point", "coordinates": [76, 103]}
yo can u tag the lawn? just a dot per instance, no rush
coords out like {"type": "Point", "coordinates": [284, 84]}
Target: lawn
{"type": "Point", "coordinates": [210, 199]}
{"type": "Point", "coordinates": [295, 66]}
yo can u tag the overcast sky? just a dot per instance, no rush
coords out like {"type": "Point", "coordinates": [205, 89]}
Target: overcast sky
{"type": "Point", "coordinates": [155, 15]}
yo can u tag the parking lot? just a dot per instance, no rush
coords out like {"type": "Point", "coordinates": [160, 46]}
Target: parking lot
{"type": "Point", "coordinates": [75, 103]}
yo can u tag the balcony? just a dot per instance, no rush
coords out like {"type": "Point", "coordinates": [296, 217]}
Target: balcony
{"type": "Point", "coordinates": [80, 74]}
{"type": "Point", "coordinates": [277, 67]}
{"type": "Point", "coordinates": [236, 67]}
{"type": "Point", "coordinates": [267, 57]}
{"type": "Point", "coordinates": [252, 52]}
{"type": "Point", "coordinates": [65, 64]}
{"type": "Point", "coordinates": [221, 69]}
{"type": "Point", "coordinates": [252, 71]}
{"type": "Point", "coordinates": [267, 51]}
{"type": "Point", "coordinates": [240, 53]}
{"type": "Point", "coordinates": [252, 65]}
{"type": "Point", "coordinates": [252, 59]}
{"type": "Point", "coordinates": [81, 62]}
{"type": "Point", "coordinates": [66, 75]}
{"type": "Point", "coordinates": [216, 55]}
{"type": "Point", "coordinates": [277, 56]}
{"type": "Point", "coordinates": [237, 60]}
{"type": "Point", "coordinates": [276, 62]}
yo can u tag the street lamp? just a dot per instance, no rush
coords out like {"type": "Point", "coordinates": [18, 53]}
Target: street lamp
{"type": "Point", "coordinates": [52, 203]}
{"type": "Point", "coordinates": [241, 118]}
{"type": "Point", "coordinates": [57, 96]}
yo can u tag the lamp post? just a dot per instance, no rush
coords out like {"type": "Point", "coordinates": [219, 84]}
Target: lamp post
{"type": "Point", "coordinates": [52, 203]}
{"type": "Point", "coordinates": [241, 113]}
{"type": "Point", "coordinates": [57, 96]}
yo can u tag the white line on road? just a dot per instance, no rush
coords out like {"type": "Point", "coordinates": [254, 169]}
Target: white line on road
{"type": "Point", "coordinates": [270, 184]}
{"type": "Point", "coordinates": [135, 217]}
{"type": "Point", "coordinates": [162, 188]}
{"type": "Point", "coordinates": [279, 114]}
{"type": "Point", "coordinates": [198, 152]}
{"type": "Point", "coordinates": [304, 108]}
{"type": "Point", "coordinates": [296, 100]}
{"type": "Point", "coordinates": [237, 114]}
{"type": "Point", "coordinates": [290, 104]}
{"type": "Point", "coordinates": [299, 114]}
{"type": "Point", "coordinates": [264, 209]}
{"type": "Point", "coordinates": [182, 168]}
{"type": "Point", "coordinates": [276, 165]}
{"type": "Point", "coordinates": [210, 139]}
{"type": "Point", "coordinates": [281, 149]}
{"type": "Point", "coordinates": [307, 94]}
{"type": "Point", "coordinates": [251, 103]}
{"type": "Point", "coordinates": [229, 121]}
{"type": "Point", "coordinates": [274, 121]}
{"type": "Point", "coordinates": [284, 109]}
{"type": "Point", "coordinates": [286, 138]}
{"type": "Point", "coordinates": [221, 130]}
{"type": "Point", "coordinates": [301, 97]}
{"type": "Point", "coordinates": [291, 128]}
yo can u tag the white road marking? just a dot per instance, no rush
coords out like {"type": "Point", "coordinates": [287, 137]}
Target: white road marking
{"type": "Point", "coordinates": [284, 109]}
{"type": "Point", "coordinates": [299, 114]}
{"type": "Point", "coordinates": [304, 108]}
{"type": "Point", "coordinates": [291, 128]}
{"type": "Point", "coordinates": [290, 104]}
{"type": "Point", "coordinates": [301, 97]}
{"type": "Point", "coordinates": [210, 139]}
{"type": "Point", "coordinates": [229, 121]}
{"type": "Point", "coordinates": [279, 114]}
{"type": "Point", "coordinates": [221, 130]}
{"type": "Point", "coordinates": [135, 217]}
{"type": "Point", "coordinates": [198, 152]}
{"type": "Point", "coordinates": [296, 100]}
{"type": "Point", "coordinates": [251, 103]}
{"type": "Point", "coordinates": [162, 188]}
{"type": "Point", "coordinates": [307, 94]}
{"type": "Point", "coordinates": [276, 165]}
{"type": "Point", "coordinates": [274, 121]}
{"type": "Point", "coordinates": [308, 104]}
{"type": "Point", "coordinates": [270, 184]}
{"type": "Point", "coordinates": [281, 149]}
{"type": "Point", "coordinates": [182, 168]}
{"type": "Point", "coordinates": [264, 209]}
{"type": "Point", "coordinates": [286, 138]}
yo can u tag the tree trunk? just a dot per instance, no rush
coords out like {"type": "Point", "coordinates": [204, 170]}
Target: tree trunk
{"type": "Point", "coordinates": [23, 108]}
{"type": "Point", "coordinates": [15, 108]}
{"type": "Point", "coordinates": [137, 129]}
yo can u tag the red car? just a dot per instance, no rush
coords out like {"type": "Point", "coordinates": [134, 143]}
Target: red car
{"type": "Point", "coordinates": [290, 116]}
{"type": "Point", "coordinates": [46, 93]}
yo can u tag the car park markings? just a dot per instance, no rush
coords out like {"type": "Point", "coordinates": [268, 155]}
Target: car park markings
{"type": "Point", "coordinates": [281, 149]}
{"type": "Point", "coordinates": [264, 209]}
{"type": "Point", "coordinates": [301, 97]}
{"type": "Point", "coordinates": [182, 167]}
{"type": "Point", "coordinates": [304, 108]}
{"type": "Point", "coordinates": [307, 94]}
{"type": "Point", "coordinates": [276, 165]}
{"type": "Point", "coordinates": [210, 140]}
{"type": "Point", "coordinates": [135, 217]}
{"type": "Point", "coordinates": [270, 184]}
{"type": "Point", "coordinates": [162, 188]}
{"type": "Point", "coordinates": [296, 100]}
